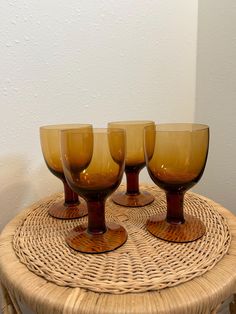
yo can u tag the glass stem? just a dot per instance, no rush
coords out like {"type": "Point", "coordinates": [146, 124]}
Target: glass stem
{"type": "Point", "coordinates": [175, 207]}
{"type": "Point", "coordinates": [96, 217]}
{"type": "Point", "coordinates": [70, 196]}
{"type": "Point", "coordinates": [132, 179]}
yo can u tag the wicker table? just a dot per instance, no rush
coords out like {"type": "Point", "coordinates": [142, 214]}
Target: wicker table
{"type": "Point", "coordinates": [202, 294]}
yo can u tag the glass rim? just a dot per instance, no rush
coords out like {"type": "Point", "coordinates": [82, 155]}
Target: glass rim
{"type": "Point", "coordinates": [63, 126]}
{"type": "Point", "coordinates": [180, 127]}
{"type": "Point", "coordinates": [93, 130]}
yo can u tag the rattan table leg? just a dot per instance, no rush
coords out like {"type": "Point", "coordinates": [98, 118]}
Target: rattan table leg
{"type": "Point", "coordinates": [232, 306]}
{"type": "Point", "coordinates": [9, 304]}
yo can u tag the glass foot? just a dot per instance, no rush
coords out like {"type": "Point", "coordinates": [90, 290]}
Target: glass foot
{"type": "Point", "coordinates": [192, 229]}
{"type": "Point", "coordinates": [123, 199]}
{"type": "Point", "coordinates": [61, 211]}
{"type": "Point", "coordinates": [82, 241]}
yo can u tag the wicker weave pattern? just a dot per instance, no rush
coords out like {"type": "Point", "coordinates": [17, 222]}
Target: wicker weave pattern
{"type": "Point", "coordinates": [144, 263]}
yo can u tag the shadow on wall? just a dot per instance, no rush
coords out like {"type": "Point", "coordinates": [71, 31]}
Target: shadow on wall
{"type": "Point", "coordinates": [13, 188]}
{"type": "Point", "coordinates": [44, 183]}
{"type": "Point", "coordinates": [21, 185]}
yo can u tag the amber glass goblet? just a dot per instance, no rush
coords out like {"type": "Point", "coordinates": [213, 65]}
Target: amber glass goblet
{"type": "Point", "coordinates": [134, 163]}
{"type": "Point", "coordinates": [70, 207]}
{"type": "Point", "coordinates": [93, 163]}
{"type": "Point", "coordinates": [176, 156]}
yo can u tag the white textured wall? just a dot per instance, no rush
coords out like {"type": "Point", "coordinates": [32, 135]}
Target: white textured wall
{"type": "Point", "coordinates": [216, 97]}
{"type": "Point", "coordinates": [86, 61]}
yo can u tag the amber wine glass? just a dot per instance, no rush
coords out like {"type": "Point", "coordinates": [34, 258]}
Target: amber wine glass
{"type": "Point", "coordinates": [70, 207]}
{"type": "Point", "coordinates": [93, 163]}
{"type": "Point", "coordinates": [134, 163]}
{"type": "Point", "coordinates": [176, 156]}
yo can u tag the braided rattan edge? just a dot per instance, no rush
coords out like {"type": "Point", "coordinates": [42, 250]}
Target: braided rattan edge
{"type": "Point", "coordinates": [41, 296]}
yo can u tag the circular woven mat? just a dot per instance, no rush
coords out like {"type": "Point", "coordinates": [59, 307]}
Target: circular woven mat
{"type": "Point", "coordinates": [142, 264]}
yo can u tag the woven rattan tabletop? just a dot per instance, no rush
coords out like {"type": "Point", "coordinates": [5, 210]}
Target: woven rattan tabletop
{"type": "Point", "coordinates": [146, 275]}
